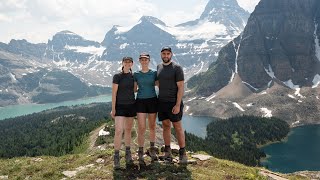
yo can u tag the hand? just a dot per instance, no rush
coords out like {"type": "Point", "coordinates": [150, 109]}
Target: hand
{"type": "Point", "coordinates": [176, 109]}
{"type": "Point", "coordinates": [113, 114]}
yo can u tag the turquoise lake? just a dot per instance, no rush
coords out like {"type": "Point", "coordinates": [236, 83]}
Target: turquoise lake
{"type": "Point", "coordinates": [300, 152]}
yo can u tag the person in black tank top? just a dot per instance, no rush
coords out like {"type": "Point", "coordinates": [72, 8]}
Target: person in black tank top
{"type": "Point", "coordinates": [123, 109]}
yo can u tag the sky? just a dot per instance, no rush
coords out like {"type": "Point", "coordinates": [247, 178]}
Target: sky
{"type": "Point", "coordinates": [38, 20]}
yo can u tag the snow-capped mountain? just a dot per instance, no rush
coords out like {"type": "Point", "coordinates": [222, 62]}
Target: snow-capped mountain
{"type": "Point", "coordinates": [195, 45]}
{"type": "Point", "coordinates": [271, 69]}
{"type": "Point", "coordinates": [30, 80]}
{"type": "Point", "coordinates": [280, 41]}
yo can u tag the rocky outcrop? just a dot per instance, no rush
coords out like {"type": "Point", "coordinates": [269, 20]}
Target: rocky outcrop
{"type": "Point", "coordinates": [280, 40]}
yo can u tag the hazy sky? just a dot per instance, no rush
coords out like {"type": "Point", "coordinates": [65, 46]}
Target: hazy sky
{"type": "Point", "coordinates": [38, 20]}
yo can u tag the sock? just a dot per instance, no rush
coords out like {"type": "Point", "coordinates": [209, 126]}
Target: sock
{"type": "Point", "coordinates": [151, 144]}
{"type": "Point", "coordinates": [182, 151]}
{"type": "Point", "coordinates": [166, 148]}
{"type": "Point", "coordinates": [140, 149]}
{"type": "Point", "coordinates": [127, 148]}
{"type": "Point", "coordinates": [116, 152]}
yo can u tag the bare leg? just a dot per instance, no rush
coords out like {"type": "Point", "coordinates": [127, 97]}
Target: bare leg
{"type": "Point", "coordinates": [152, 126]}
{"type": "Point", "coordinates": [166, 125]}
{"type": "Point", "coordinates": [119, 126]}
{"type": "Point", "coordinates": [127, 131]}
{"type": "Point", "coordinates": [141, 128]}
{"type": "Point", "coordinates": [180, 133]}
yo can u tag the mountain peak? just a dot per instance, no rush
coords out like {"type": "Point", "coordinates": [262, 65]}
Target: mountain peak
{"type": "Point", "coordinates": [67, 32]}
{"type": "Point", "coordinates": [217, 8]}
{"type": "Point", "coordinates": [152, 20]}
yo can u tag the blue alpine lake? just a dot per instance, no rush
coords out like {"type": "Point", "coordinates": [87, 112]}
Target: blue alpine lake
{"type": "Point", "coordinates": [301, 151]}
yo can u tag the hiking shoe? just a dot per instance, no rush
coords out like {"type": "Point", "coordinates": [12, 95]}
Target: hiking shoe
{"type": "Point", "coordinates": [116, 162]}
{"type": "Point", "coordinates": [153, 154]}
{"type": "Point", "coordinates": [167, 155]}
{"type": "Point", "coordinates": [128, 157]}
{"type": "Point", "coordinates": [183, 159]}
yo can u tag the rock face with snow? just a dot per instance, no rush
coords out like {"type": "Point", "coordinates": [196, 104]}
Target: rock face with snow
{"type": "Point", "coordinates": [66, 45]}
{"type": "Point", "coordinates": [26, 80]}
{"type": "Point", "coordinates": [280, 41]}
{"type": "Point", "coordinates": [271, 70]}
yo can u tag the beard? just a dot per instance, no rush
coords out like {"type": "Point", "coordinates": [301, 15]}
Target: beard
{"type": "Point", "coordinates": [166, 60]}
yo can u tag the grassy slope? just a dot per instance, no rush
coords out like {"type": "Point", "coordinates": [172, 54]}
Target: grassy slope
{"type": "Point", "coordinates": [48, 167]}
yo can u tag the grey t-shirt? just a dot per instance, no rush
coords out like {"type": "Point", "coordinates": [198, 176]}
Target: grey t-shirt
{"type": "Point", "coordinates": [168, 76]}
{"type": "Point", "coordinates": [125, 93]}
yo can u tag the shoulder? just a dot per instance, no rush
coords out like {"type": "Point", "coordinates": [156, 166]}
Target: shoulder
{"type": "Point", "coordinates": [136, 73]}
{"type": "Point", "coordinates": [152, 71]}
{"type": "Point", "coordinates": [174, 64]}
{"type": "Point", "coordinates": [117, 75]}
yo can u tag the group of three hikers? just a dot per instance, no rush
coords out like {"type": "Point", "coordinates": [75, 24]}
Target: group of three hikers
{"type": "Point", "coordinates": [168, 105]}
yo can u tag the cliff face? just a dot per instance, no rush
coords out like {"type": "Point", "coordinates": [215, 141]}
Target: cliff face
{"type": "Point", "coordinates": [280, 40]}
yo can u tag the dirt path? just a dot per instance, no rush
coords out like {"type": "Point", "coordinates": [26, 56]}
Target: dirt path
{"type": "Point", "coordinates": [93, 137]}
{"type": "Point", "coordinates": [271, 175]}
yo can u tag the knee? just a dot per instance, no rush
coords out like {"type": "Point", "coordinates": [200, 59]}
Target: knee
{"type": "Point", "coordinates": [166, 126]}
{"type": "Point", "coordinates": [118, 131]}
{"type": "Point", "coordinates": [178, 128]}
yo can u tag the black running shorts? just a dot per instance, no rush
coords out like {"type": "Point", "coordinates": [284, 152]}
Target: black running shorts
{"type": "Point", "coordinates": [165, 111]}
{"type": "Point", "coordinates": [126, 110]}
{"type": "Point", "coordinates": [149, 105]}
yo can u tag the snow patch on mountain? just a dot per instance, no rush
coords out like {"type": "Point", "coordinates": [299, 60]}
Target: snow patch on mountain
{"type": "Point", "coordinates": [270, 72]}
{"type": "Point", "coordinates": [124, 45]}
{"type": "Point", "coordinates": [124, 29]}
{"type": "Point", "coordinates": [238, 106]}
{"type": "Point", "coordinates": [267, 112]}
{"type": "Point", "coordinates": [203, 30]}
{"type": "Point", "coordinates": [316, 40]}
{"type": "Point", "coordinates": [87, 49]}
{"type": "Point", "coordinates": [316, 81]}
{"type": "Point", "coordinates": [290, 84]}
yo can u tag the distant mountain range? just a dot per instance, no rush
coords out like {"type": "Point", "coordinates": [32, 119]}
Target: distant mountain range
{"type": "Point", "coordinates": [195, 45]}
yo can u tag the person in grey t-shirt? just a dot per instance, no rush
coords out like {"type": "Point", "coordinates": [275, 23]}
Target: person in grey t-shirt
{"type": "Point", "coordinates": [170, 107]}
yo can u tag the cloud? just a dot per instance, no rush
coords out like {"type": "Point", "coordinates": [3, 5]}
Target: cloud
{"type": "Point", "coordinates": [176, 17]}
{"type": "Point", "coordinates": [90, 17]}
{"type": "Point", "coordinates": [4, 18]}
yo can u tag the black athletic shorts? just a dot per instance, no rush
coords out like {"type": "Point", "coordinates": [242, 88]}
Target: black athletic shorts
{"type": "Point", "coordinates": [149, 105]}
{"type": "Point", "coordinates": [126, 110]}
{"type": "Point", "coordinates": [165, 111]}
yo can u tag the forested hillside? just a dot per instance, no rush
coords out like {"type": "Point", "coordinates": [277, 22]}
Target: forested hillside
{"type": "Point", "coordinates": [54, 132]}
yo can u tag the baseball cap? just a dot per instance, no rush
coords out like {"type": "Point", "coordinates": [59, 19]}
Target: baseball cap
{"type": "Point", "coordinates": [144, 55]}
{"type": "Point", "coordinates": [166, 48]}
{"type": "Point", "coordinates": [127, 58]}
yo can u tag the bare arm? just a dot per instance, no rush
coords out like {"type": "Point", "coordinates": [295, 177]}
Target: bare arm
{"type": "Point", "coordinates": [135, 87]}
{"type": "Point", "coordinates": [156, 83]}
{"type": "Point", "coordinates": [176, 108]}
{"type": "Point", "coordinates": [114, 99]}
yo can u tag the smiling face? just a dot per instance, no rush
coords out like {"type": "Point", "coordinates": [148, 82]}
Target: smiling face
{"type": "Point", "coordinates": [127, 64]}
{"type": "Point", "coordinates": [166, 56]}
{"type": "Point", "coordinates": [144, 62]}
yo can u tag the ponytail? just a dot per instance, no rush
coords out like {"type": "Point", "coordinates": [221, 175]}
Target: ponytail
{"type": "Point", "coordinates": [130, 70]}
